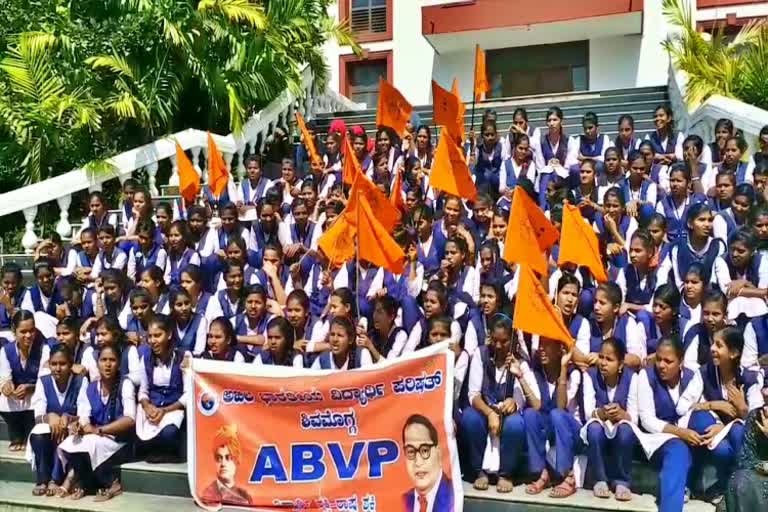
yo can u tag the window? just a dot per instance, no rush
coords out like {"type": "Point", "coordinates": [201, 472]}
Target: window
{"type": "Point", "coordinates": [541, 69]}
{"type": "Point", "coordinates": [370, 20]}
{"type": "Point", "coordinates": [359, 76]}
{"type": "Point", "coordinates": [364, 81]}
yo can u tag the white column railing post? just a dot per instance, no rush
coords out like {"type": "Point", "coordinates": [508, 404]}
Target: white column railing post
{"type": "Point", "coordinates": [124, 176]}
{"type": "Point", "coordinates": [196, 160]}
{"type": "Point", "coordinates": [95, 187]}
{"type": "Point", "coordinates": [29, 240]}
{"type": "Point", "coordinates": [205, 166]}
{"type": "Point", "coordinates": [174, 180]}
{"type": "Point", "coordinates": [228, 160]}
{"type": "Point", "coordinates": [152, 174]}
{"type": "Point", "coordinates": [63, 227]}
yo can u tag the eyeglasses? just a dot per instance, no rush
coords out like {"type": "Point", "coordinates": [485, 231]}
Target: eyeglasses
{"type": "Point", "coordinates": [424, 450]}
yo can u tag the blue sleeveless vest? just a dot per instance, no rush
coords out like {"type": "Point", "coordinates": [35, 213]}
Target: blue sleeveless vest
{"type": "Point", "coordinates": [760, 325]}
{"type": "Point", "coordinates": [25, 374]}
{"type": "Point", "coordinates": [636, 294]}
{"type": "Point", "coordinates": [494, 392]}
{"type": "Point", "coordinates": [69, 406]}
{"type": "Point", "coordinates": [712, 391]}
{"type": "Point", "coordinates": [353, 362]}
{"type": "Point", "coordinates": [188, 340]}
{"type": "Point", "coordinates": [101, 413]}
{"type": "Point", "coordinates": [384, 345]}
{"type": "Point", "coordinates": [162, 396]}
{"type": "Point", "coordinates": [665, 407]}
{"type": "Point", "coordinates": [601, 389]}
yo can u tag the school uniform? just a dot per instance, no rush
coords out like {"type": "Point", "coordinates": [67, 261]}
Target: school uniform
{"type": "Point", "coordinates": [706, 386]}
{"type": "Point", "coordinates": [249, 193]}
{"type": "Point", "coordinates": [627, 147]}
{"type": "Point", "coordinates": [487, 168]}
{"type": "Point", "coordinates": [177, 263]}
{"type": "Point", "coordinates": [18, 414]}
{"type": "Point", "coordinates": [579, 145]}
{"type": "Point", "coordinates": [138, 261]}
{"type": "Point", "coordinates": [756, 273]}
{"type": "Point", "coordinates": [118, 260]}
{"type": "Point", "coordinates": [636, 287]}
{"type": "Point", "coordinates": [626, 227]}
{"type": "Point", "coordinates": [6, 334]}
{"type": "Point", "coordinates": [725, 224]}
{"type": "Point", "coordinates": [244, 327]}
{"type": "Point", "coordinates": [260, 277]}
{"type": "Point", "coordinates": [163, 384]}
{"type": "Point", "coordinates": [35, 300]}
{"type": "Point", "coordinates": [511, 172]}
{"type": "Point", "coordinates": [108, 219]}
{"type": "Point", "coordinates": [677, 215]}
{"type": "Point", "coordinates": [390, 346]}
{"type": "Point", "coordinates": [260, 238]}
{"type": "Point", "coordinates": [289, 233]}
{"type": "Point", "coordinates": [667, 144]}
{"type": "Point", "coordinates": [130, 363]}
{"type": "Point", "coordinates": [429, 255]}
{"type": "Point", "coordinates": [668, 454]}
{"type": "Point", "coordinates": [193, 336]}
{"type": "Point", "coordinates": [609, 445]}
{"type": "Point", "coordinates": [493, 385]}
{"type": "Point", "coordinates": [647, 195]}
{"type": "Point", "coordinates": [559, 427]}
{"type": "Point", "coordinates": [48, 399]}
{"type": "Point", "coordinates": [332, 174]}
{"type": "Point", "coordinates": [755, 342]}
{"type": "Point", "coordinates": [681, 256]}
{"type": "Point", "coordinates": [749, 172]}
{"type": "Point", "coordinates": [417, 324]}
{"type": "Point", "coordinates": [318, 294]}
{"type": "Point", "coordinates": [208, 307]}
{"type": "Point", "coordinates": [217, 202]}
{"type": "Point", "coordinates": [358, 358]}
{"type": "Point", "coordinates": [233, 354]}
{"type": "Point", "coordinates": [96, 458]}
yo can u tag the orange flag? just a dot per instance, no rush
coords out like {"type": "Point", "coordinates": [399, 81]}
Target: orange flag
{"type": "Point", "coordinates": [376, 244]}
{"type": "Point", "coordinates": [462, 109]}
{"type": "Point", "coordinates": [386, 213]}
{"type": "Point", "coordinates": [447, 109]}
{"type": "Point", "coordinates": [481, 76]}
{"type": "Point", "coordinates": [218, 177]}
{"type": "Point", "coordinates": [529, 233]}
{"type": "Point", "coordinates": [396, 194]}
{"type": "Point", "coordinates": [393, 109]}
{"type": "Point", "coordinates": [189, 180]}
{"type": "Point", "coordinates": [351, 167]}
{"type": "Point", "coordinates": [309, 142]}
{"type": "Point", "coordinates": [534, 311]}
{"type": "Point", "coordinates": [450, 172]}
{"type": "Point", "coordinates": [578, 243]}
{"type": "Point", "coordinates": [338, 241]}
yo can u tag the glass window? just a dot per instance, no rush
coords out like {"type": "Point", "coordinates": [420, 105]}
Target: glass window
{"type": "Point", "coordinates": [363, 79]}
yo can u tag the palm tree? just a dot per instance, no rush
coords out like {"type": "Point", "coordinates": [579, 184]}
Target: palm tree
{"type": "Point", "coordinates": [715, 65]}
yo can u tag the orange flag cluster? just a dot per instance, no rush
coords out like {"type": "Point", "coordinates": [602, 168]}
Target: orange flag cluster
{"type": "Point", "coordinates": [534, 311]}
{"type": "Point", "coordinates": [218, 176]}
{"type": "Point", "coordinates": [189, 180]}
{"type": "Point", "coordinates": [393, 110]}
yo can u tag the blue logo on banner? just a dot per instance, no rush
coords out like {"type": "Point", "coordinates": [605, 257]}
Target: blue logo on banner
{"type": "Point", "coordinates": [208, 403]}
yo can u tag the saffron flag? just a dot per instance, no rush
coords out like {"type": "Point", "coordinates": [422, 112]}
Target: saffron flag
{"type": "Point", "coordinates": [529, 233]}
{"type": "Point", "coordinates": [396, 194]}
{"type": "Point", "coordinates": [579, 245]}
{"type": "Point", "coordinates": [351, 167]}
{"type": "Point", "coordinates": [481, 76]}
{"type": "Point", "coordinates": [189, 180]}
{"type": "Point", "coordinates": [393, 109]}
{"type": "Point", "coordinates": [338, 242]}
{"type": "Point", "coordinates": [218, 176]}
{"type": "Point", "coordinates": [387, 214]}
{"type": "Point", "coordinates": [309, 142]}
{"type": "Point", "coordinates": [447, 110]}
{"type": "Point", "coordinates": [534, 311]}
{"type": "Point", "coordinates": [450, 172]}
{"type": "Point", "coordinates": [462, 110]}
{"type": "Point", "coordinates": [376, 244]}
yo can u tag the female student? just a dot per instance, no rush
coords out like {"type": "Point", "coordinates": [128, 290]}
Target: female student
{"type": "Point", "coordinates": [428, 252]}
{"type": "Point", "coordinates": [676, 204]}
{"type": "Point", "coordinates": [638, 279]}
{"type": "Point", "coordinates": [461, 279]}
{"type": "Point", "coordinates": [586, 194]}
{"type": "Point", "coordinates": [760, 156]}
{"type": "Point", "coordinates": [607, 322]}
{"type": "Point", "coordinates": [297, 235]}
{"type": "Point", "coordinates": [639, 191]}
{"type": "Point", "coordinates": [568, 294]}
{"type": "Point", "coordinates": [230, 299]}
{"type": "Point", "coordinates": [626, 141]}
{"type": "Point", "coordinates": [192, 281]}
{"type": "Point", "coordinates": [162, 394]}
{"type": "Point", "coordinates": [110, 334]}
{"type": "Point", "coordinates": [665, 321]}
{"type": "Point", "coordinates": [612, 175]}
{"type": "Point", "coordinates": [148, 253]}
{"type": "Point", "coordinates": [55, 405]}
{"type": "Point", "coordinates": [492, 301]}
{"type": "Point", "coordinates": [101, 440]}
{"type": "Point", "coordinates": [723, 130]}
{"type": "Point", "coordinates": [112, 298]}
{"type": "Point", "coordinates": [279, 347]}
{"type": "Point", "coordinates": [68, 333]}
{"type": "Point", "coordinates": [98, 214]}
{"type": "Point", "coordinates": [736, 215]}
{"type": "Point", "coordinates": [613, 228]}
{"type": "Point", "coordinates": [251, 325]}
{"type": "Point", "coordinates": [554, 415]}
{"type": "Point", "coordinates": [43, 297]}
{"type": "Point", "coordinates": [424, 149]}
{"type": "Point", "coordinates": [697, 341]}
{"type": "Point", "coordinates": [181, 253]}
{"type": "Point", "coordinates": [152, 280]}
{"type": "Point", "coordinates": [697, 247]}
{"type": "Point", "coordinates": [12, 294]}
{"type": "Point", "coordinates": [141, 211]}
{"type": "Point", "coordinates": [610, 404]}
{"type": "Point", "coordinates": [341, 303]}
{"type": "Point", "coordinates": [137, 323]}
{"type": "Point", "coordinates": [488, 160]}
{"type": "Point", "coordinates": [253, 188]}
{"type": "Point", "coordinates": [694, 284]}
{"type": "Point", "coordinates": [344, 354]}
{"type": "Point", "coordinates": [22, 362]}
{"type": "Point", "coordinates": [667, 445]}
{"type": "Point", "coordinates": [222, 342]}
{"type": "Point", "coordinates": [667, 144]}
{"type": "Point", "coordinates": [519, 165]}
{"type": "Point", "coordinates": [719, 398]}
{"type": "Point", "coordinates": [735, 147]}
{"type": "Point", "coordinates": [499, 387]}
{"type": "Point", "coordinates": [236, 254]}
{"type": "Point", "coordinates": [746, 281]}
{"type": "Point", "coordinates": [551, 152]}
{"type": "Point", "coordinates": [385, 340]}
{"type": "Point", "coordinates": [725, 186]}
{"type": "Point", "coordinates": [110, 255]}
{"type": "Point", "coordinates": [190, 328]}
{"type": "Point", "coordinates": [590, 144]}
{"type": "Point", "coordinates": [434, 303]}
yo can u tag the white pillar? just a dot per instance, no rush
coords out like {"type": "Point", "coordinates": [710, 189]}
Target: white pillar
{"type": "Point", "coordinates": [206, 165]}
{"type": "Point", "coordinates": [240, 163]}
{"type": "Point", "coordinates": [95, 187]}
{"type": "Point", "coordinates": [196, 160]}
{"type": "Point", "coordinates": [174, 180]}
{"type": "Point", "coordinates": [152, 174]}
{"type": "Point", "coordinates": [124, 176]}
{"type": "Point", "coordinates": [29, 240]}
{"type": "Point", "coordinates": [228, 160]}
{"type": "Point", "coordinates": [63, 227]}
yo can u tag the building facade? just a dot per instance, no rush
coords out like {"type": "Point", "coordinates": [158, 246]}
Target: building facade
{"type": "Point", "coordinates": [532, 46]}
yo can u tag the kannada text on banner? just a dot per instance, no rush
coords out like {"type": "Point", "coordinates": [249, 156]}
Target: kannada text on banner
{"type": "Point", "coordinates": [276, 438]}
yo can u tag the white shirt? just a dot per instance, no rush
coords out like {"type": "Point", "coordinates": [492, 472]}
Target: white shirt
{"type": "Point", "coordinates": [647, 405]}
{"type": "Point", "coordinates": [574, 148]}
{"type": "Point", "coordinates": [477, 373]}
{"type": "Point", "coordinates": [40, 401]}
{"type": "Point", "coordinates": [119, 262]}
{"type": "Point", "coordinates": [298, 361]}
{"type": "Point", "coordinates": [134, 364]}
{"type": "Point", "coordinates": [128, 395]}
{"type": "Point", "coordinates": [750, 354]}
{"type": "Point", "coordinates": [7, 375]}
{"type": "Point", "coordinates": [414, 338]}
{"type": "Point", "coordinates": [160, 262]}
{"type": "Point", "coordinates": [572, 391]}
{"type": "Point", "coordinates": [694, 394]}
{"type": "Point", "coordinates": [193, 260]}
{"type": "Point", "coordinates": [431, 497]}
{"type": "Point", "coordinates": [201, 337]}
{"type": "Point", "coordinates": [670, 263]}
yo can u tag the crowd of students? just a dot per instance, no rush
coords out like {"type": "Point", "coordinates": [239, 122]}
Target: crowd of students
{"type": "Point", "coordinates": [668, 357]}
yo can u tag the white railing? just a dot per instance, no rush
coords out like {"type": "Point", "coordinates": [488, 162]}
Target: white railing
{"type": "Point", "coordinates": [252, 139]}
{"type": "Point", "coordinates": [331, 101]}
{"type": "Point", "coordinates": [700, 119]}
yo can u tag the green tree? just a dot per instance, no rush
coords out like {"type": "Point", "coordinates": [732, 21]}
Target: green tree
{"type": "Point", "coordinates": [87, 79]}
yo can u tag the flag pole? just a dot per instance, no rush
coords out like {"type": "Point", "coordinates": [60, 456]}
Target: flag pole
{"type": "Point", "coordinates": [357, 258]}
{"type": "Point", "coordinates": [474, 95]}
